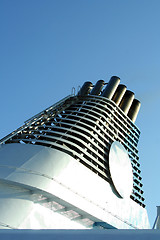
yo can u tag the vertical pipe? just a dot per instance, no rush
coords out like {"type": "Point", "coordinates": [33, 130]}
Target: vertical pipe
{"type": "Point", "coordinates": [117, 97]}
{"type": "Point", "coordinates": [85, 89]}
{"type": "Point", "coordinates": [126, 101]}
{"type": "Point", "coordinates": [134, 109]}
{"type": "Point", "coordinates": [111, 87]}
{"type": "Point", "coordinates": [97, 88]}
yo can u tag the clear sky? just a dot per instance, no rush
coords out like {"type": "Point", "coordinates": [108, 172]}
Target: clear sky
{"type": "Point", "coordinates": [49, 46]}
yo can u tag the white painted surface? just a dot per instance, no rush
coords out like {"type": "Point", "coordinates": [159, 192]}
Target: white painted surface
{"type": "Point", "coordinates": [28, 172]}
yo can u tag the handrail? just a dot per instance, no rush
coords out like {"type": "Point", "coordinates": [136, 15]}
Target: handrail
{"type": "Point", "coordinates": [34, 119]}
{"type": "Point", "coordinates": [49, 108]}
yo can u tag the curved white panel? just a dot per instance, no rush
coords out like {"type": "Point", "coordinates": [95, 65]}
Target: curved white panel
{"type": "Point", "coordinates": [121, 169]}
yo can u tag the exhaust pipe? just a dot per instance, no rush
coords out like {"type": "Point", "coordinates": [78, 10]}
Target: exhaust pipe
{"type": "Point", "coordinates": [97, 88]}
{"type": "Point", "coordinates": [85, 89]}
{"type": "Point", "coordinates": [126, 102]}
{"type": "Point", "coordinates": [134, 109]}
{"type": "Point", "coordinates": [117, 97]}
{"type": "Point", "coordinates": [111, 87]}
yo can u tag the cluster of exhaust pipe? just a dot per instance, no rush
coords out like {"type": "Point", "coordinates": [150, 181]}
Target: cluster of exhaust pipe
{"type": "Point", "coordinates": [115, 92]}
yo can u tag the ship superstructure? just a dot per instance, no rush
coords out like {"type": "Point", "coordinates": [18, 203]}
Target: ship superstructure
{"type": "Point", "coordinates": [57, 166]}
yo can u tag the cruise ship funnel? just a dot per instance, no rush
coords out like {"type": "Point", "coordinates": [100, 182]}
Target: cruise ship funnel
{"type": "Point", "coordinates": [75, 164]}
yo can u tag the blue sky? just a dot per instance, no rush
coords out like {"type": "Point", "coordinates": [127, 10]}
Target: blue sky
{"type": "Point", "coordinates": [47, 47]}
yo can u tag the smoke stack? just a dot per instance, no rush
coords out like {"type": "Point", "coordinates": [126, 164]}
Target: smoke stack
{"type": "Point", "coordinates": [126, 102]}
{"type": "Point", "coordinates": [111, 87]}
{"type": "Point", "coordinates": [117, 97]}
{"type": "Point", "coordinates": [133, 112]}
{"type": "Point", "coordinates": [97, 88]}
{"type": "Point", "coordinates": [85, 89]}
